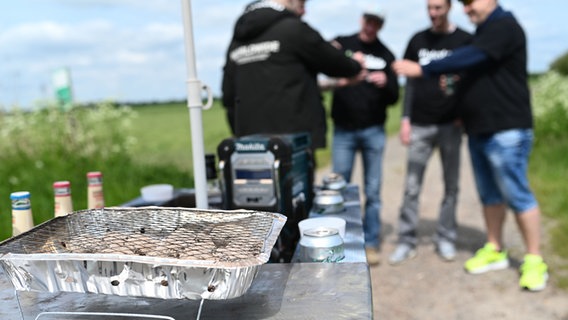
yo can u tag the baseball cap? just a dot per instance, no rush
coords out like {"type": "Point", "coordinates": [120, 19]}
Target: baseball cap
{"type": "Point", "coordinates": [374, 13]}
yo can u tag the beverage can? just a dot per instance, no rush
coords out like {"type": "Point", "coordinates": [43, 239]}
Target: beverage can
{"type": "Point", "coordinates": [321, 244]}
{"type": "Point", "coordinates": [334, 181]}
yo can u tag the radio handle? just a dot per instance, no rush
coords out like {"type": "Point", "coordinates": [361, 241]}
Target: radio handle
{"type": "Point", "coordinates": [223, 185]}
{"type": "Point", "coordinates": [276, 168]}
{"type": "Point", "coordinates": [209, 102]}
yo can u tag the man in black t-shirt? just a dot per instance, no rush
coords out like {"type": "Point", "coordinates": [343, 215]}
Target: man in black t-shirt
{"type": "Point", "coordinates": [494, 103]}
{"type": "Point", "coordinates": [359, 114]}
{"type": "Point", "coordinates": [430, 121]}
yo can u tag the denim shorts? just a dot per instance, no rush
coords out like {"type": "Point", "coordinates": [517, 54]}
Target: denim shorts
{"type": "Point", "coordinates": [500, 164]}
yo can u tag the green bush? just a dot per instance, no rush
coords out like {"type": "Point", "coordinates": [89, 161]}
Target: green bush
{"type": "Point", "coordinates": [49, 145]}
{"type": "Point", "coordinates": [550, 101]}
{"type": "Point", "coordinates": [560, 65]}
{"type": "Point", "coordinates": [548, 170]}
{"type": "Point", "coordinates": [550, 92]}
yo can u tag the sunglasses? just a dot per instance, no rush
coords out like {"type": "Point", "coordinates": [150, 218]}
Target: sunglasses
{"type": "Point", "coordinates": [466, 2]}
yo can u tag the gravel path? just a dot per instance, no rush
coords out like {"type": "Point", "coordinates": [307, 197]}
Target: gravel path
{"type": "Point", "coordinates": [427, 287]}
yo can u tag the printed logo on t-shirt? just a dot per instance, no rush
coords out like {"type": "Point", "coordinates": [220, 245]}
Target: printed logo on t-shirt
{"type": "Point", "coordinates": [425, 56]}
{"type": "Point", "coordinates": [374, 63]}
{"type": "Point", "coordinates": [254, 52]}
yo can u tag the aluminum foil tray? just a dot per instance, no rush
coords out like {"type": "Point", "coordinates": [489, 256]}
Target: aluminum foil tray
{"type": "Point", "coordinates": [168, 253]}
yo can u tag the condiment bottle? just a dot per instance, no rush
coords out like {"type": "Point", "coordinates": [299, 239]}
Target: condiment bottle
{"type": "Point", "coordinates": [22, 219]}
{"type": "Point", "coordinates": [214, 196]}
{"type": "Point", "coordinates": [95, 195]}
{"type": "Point", "coordinates": [63, 201]}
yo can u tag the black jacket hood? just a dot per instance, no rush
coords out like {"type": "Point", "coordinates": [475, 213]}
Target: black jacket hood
{"type": "Point", "coordinates": [258, 16]}
{"type": "Point", "coordinates": [270, 75]}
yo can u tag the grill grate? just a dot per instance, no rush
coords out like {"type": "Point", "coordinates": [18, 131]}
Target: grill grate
{"type": "Point", "coordinates": [217, 236]}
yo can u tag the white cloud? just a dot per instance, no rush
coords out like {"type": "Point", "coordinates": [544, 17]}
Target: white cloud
{"type": "Point", "coordinates": [153, 5]}
{"type": "Point", "coordinates": [45, 34]}
{"type": "Point", "coordinates": [113, 53]}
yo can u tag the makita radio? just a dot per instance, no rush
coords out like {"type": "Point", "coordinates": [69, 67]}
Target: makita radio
{"type": "Point", "coordinates": [270, 173]}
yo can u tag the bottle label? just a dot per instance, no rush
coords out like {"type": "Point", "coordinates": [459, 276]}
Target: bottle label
{"type": "Point", "coordinates": [62, 192]}
{"type": "Point", "coordinates": [63, 205]}
{"type": "Point", "coordinates": [22, 221]}
{"type": "Point", "coordinates": [95, 181]}
{"type": "Point", "coordinates": [21, 204]}
{"type": "Point", "coordinates": [96, 198]}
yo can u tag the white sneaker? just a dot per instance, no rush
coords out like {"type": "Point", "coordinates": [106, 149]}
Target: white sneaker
{"type": "Point", "coordinates": [402, 253]}
{"type": "Point", "coordinates": [446, 250]}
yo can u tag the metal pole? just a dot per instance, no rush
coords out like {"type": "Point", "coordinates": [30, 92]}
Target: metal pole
{"type": "Point", "coordinates": [195, 105]}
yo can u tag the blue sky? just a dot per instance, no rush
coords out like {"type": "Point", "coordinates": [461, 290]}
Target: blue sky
{"type": "Point", "coordinates": [133, 50]}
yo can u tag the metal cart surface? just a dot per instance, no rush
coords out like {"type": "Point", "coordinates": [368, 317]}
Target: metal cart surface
{"type": "Point", "coordinates": [279, 291]}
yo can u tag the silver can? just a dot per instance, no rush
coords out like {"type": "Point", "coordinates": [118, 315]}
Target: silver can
{"type": "Point", "coordinates": [328, 201]}
{"type": "Point", "coordinates": [334, 181]}
{"type": "Point", "coordinates": [321, 244]}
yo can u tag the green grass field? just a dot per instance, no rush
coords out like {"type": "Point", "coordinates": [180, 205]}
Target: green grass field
{"type": "Point", "coordinates": [163, 133]}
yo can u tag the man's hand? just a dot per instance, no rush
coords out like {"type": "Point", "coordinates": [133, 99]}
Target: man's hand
{"type": "Point", "coordinates": [378, 78]}
{"type": "Point", "coordinates": [343, 82]}
{"type": "Point", "coordinates": [359, 57]}
{"type": "Point", "coordinates": [336, 44]}
{"type": "Point", "coordinates": [405, 131]}
{"type": "Point", "coordinates": [407, 68]}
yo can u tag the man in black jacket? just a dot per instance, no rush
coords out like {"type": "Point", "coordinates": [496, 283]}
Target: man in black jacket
{"type": "Point", "coordinates": [270, 76]}
{"type": "Point", "coordinates": [359, 114]}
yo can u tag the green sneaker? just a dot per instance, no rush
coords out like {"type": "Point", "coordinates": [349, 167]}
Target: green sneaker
{"type": "Point", "coordinates": [487, 259]}
{"type": "Point", "coordinates": [533, 273]}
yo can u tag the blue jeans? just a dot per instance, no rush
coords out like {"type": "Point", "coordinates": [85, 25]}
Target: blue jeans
{"type": "Point", "coordinates": [500, 165]}
{"type": "Point", "coordinates": [371, 143]}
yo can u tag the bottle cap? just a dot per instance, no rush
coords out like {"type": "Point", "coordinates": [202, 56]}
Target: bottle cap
{"type": "Point", "coordinates": [62, 184]}
{"type": "Point", "coordinates": [94, 174]}
{"type": "Point", "coordinates": [20, 200]}
{"type": "Point", "coordinates": [20, 195]}
{"type": "Point", "coordinates": [94, 178]}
